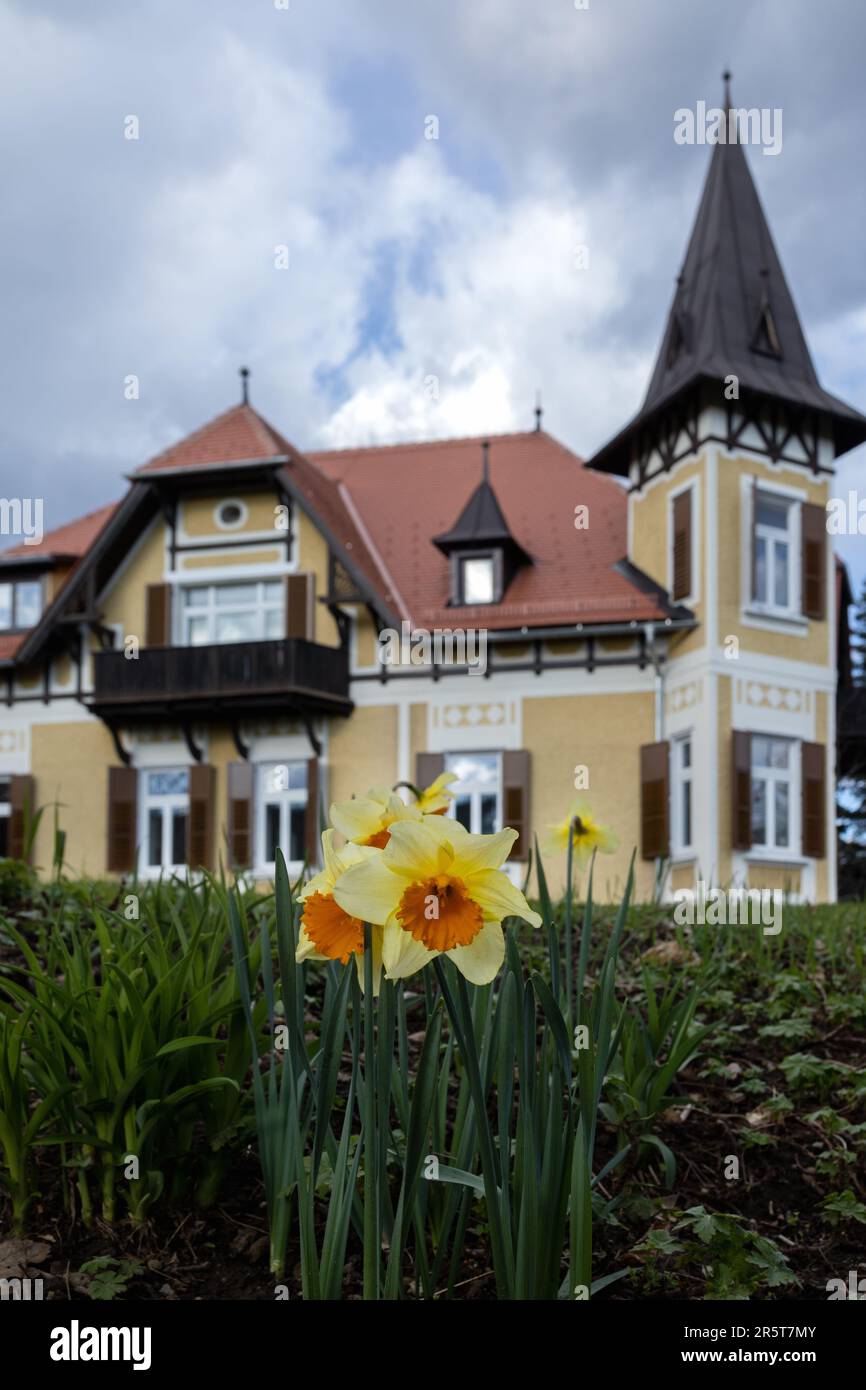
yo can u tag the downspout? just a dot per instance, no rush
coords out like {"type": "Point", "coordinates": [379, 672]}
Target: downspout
{"type": "Point", "coordinates": [659, 668]}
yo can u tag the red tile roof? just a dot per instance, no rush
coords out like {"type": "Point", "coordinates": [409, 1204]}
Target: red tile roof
{"type": "Point", "coordinates": [74, 538]}
{"type": "Point", "coordinates": [407, 493]}
{"type": "Point", "coordinates": [239, 435]}
{"type": "Point", "coordinates": [382, 505]}
{"type": "Point", "coordinates": [9, 644]}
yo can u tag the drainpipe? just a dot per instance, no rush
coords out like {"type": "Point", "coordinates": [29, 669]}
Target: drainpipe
{"type": "Point", "coordinates": [659, 668]}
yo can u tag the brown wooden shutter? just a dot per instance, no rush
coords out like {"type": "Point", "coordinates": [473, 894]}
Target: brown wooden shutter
{"type": "Point", "coordinates": [300, 594]}
{"type": "Point", "coordinates": [741, 790]}
{"type": "Point", "coordinates": [240, 815]}
{"type": "Point", "coordinates": [122, 818]}
{"type": "Point", "coordinates": [655, 800]}
{"type": "Point", "coordinates": [813, 771]}
{"type": "Point", "coordinates": [22, 807]}
{"type": "Point", "coordinates": [813, 559]}
{"type": "Point", "coordinates": [516, 768]}
{"type": "Point", "coordinates": [200, 820]}
{"type": "Point", "coordinates": [157, 621]}
{"type": "Point", "coordinates": [682, 545]}
{"type": "Point", "coordinates": [428, 766]}
{"type": "Point", "coordinates": [311, 818]}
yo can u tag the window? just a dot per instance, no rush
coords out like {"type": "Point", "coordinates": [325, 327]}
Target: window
{"type": "Point", "coordinates": [683, 800]}
{"type": "Point", "coordinates": [476, 579]}
{"type": "Point", "coordinates": [165, 807]}
{"type": "Point", "coordinates": [20, 603]}
{"type": "Point", "coordinates": [775, 551]}
{"type": "Point", "coordinates": [772, 792]}
{"type": "Point", "coordinates": [5, 813]}
{"type": "Point", "coordinates": [477, 800]}
{"type": "Point", "coordinates": [230, 515]}
{"type": "Point", "coordinates": [232, 613]}
{"type": "Point", "coordinates": [282, 818]}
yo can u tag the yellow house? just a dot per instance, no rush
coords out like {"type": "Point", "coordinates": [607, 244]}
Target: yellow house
{"type": "Point", "coordinates": [193, 674]}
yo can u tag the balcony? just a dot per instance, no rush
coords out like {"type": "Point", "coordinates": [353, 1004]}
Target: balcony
{"type": "Point", "coordinates": [233, 679]}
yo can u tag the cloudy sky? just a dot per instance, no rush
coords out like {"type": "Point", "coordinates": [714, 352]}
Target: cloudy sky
{"type": "Point", "coordinates": [304, 125]}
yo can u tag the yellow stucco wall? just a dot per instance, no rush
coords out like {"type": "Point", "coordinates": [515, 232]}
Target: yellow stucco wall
{"type": "Point", "coordinates": [814, 646]}
{"type": "Point", "coordinates": [124, 602]}
{"type": "Point", "coordinates": [724, 774]}
{"type": "Point", "coordinates": [362, 752]}
{"type": "Point", "coordinates": [650, 514]}
{"type": "Point", "coordinates": [69, 763]}
{"type": "Point", "coordinates": [196, 514]}
{"type": "Point", "coordinates": [605, 733]}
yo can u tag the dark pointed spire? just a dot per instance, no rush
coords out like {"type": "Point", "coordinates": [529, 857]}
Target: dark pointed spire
{"type": "Point", "coordinates": [245, 391]}
{"type": "Point", "coordinates": [482, 524]}
{"type": "Point", "coordinates": [733, 314]}
{"type": "Point", "coordinates": [726, 78]}
{"type": "Point", "coordinates": [538, 412]}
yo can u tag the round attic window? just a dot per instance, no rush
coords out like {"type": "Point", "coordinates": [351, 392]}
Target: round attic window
{"type": "Point", "coordinates": [230, 515]}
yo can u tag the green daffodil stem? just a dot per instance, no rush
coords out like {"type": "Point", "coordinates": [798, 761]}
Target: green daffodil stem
{"type": "Point", "coordinates": [372, 1235]}
{"type": "Point", "coordinates": [461, 1020]}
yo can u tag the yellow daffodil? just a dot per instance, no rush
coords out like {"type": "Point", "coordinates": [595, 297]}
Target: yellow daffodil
{"type": "Point", "coordinates": [435, 888]}
{"type": "Point", "coordinates": [327, 932]}
{"type": "Point", "coordinates": [366, 820]}
{"type": "Point", "coordinates": [587, 834]}
{"type": "Point", "coordinates": [435, 799]}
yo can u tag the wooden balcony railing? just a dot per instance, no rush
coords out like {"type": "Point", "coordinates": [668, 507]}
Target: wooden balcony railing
{"type": "Point", "coordinates": [238, 675]}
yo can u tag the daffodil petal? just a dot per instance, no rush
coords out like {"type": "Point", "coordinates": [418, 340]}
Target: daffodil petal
{"type": "Point", "coordinates": [413, 849]}
{"type": "Point", "coordinates": [477, 852]}
{"type": "Point", "coordinates": [402, 955]}
{"type": "Point", "coordinates": [369, 890]}
{"type": "Point", "coordinates": [481, 960]}
{"type": "Point", "coordinates": [497, 897]}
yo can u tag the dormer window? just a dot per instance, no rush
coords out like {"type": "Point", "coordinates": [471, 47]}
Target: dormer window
{"type": "Point", "coordinates": [482, 554]}
{"type": "Point", "coordinates": [20, 604]}
{"type": "Point", "coordinates": [477, 579]}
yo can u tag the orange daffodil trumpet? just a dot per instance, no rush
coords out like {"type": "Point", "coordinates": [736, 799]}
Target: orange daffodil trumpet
{"type": "Point", "coordinates": [367, 820]}
{"type": "Point", "coordinates": [435, 799]}
{"type": "Point", "coordinates": [586, 832]}
{"type": "Point", "coordinates": [436, 889]}
{"type": "Point", "coordinates": [327, 932]}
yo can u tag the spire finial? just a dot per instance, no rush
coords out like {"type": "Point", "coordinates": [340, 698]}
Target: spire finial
{"type": "Point", "coordinates": [485, 460]}
{"type": "Point", "coordinates": [538, 412]}
{"type": "Point", "coordinates": [726, 78]}
{"type": "Point", "coordinates": [245, 392]}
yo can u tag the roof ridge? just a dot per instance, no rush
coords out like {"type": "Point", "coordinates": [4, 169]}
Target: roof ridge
{"type": "Point", "coordinates": [429, 443]}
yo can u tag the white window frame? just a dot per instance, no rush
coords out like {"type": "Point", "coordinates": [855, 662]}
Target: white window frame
{"type": "Point", "coordinates": [475, 789]}
{"type": "Point", "coordinates": [211, 609]}
{"type": "Point", "coordinates": [14, 585]}
{"type": "Point", "coordinates": [693, 596]}
{"type": "Point", "coordinates": [681, 777]}
{"type": "Point", "coordinates": [490, 563]}
{"type": "Point", "coordinates": [755, 613]}
{"type": "Point", "coordinates": [771, 776]}
{"type": "Point", "coordinates": [231, 525]}
{"type": "Point", "coordinates": [284, 797]}
{"type": "Point", "coordinates": [168, 803]}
